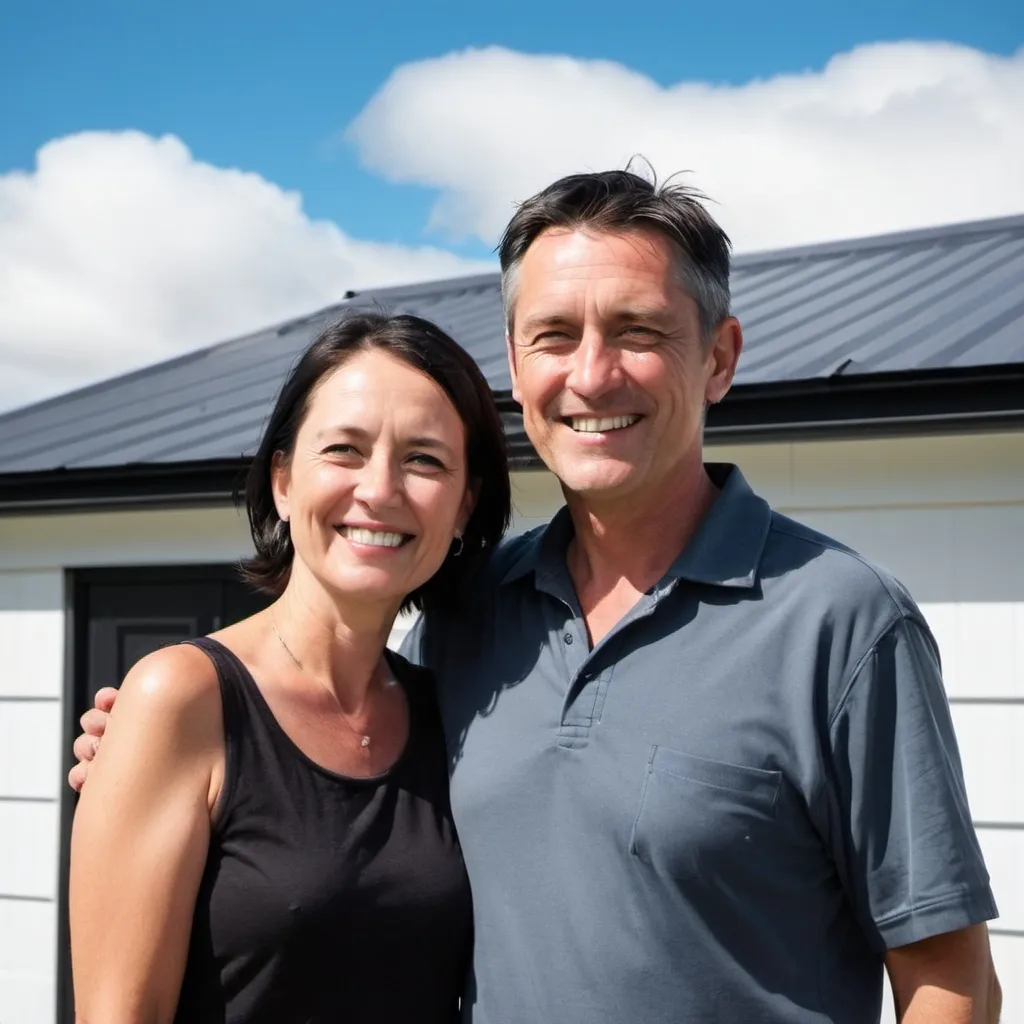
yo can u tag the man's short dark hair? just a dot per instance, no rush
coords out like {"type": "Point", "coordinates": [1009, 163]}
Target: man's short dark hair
{"type": "Point", "coordinates": [425, 347]}
{"type": "Point", "coordinates": [622, 201]}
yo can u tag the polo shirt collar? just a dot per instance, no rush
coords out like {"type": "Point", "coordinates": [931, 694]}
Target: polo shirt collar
{"type": "Point", "coordinates": [727, 547]}
{"type": "Point", "coordinates": [725, 551]}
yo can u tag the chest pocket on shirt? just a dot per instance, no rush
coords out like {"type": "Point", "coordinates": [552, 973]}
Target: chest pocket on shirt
{"type": "Point", "coordinates": [697, 816]}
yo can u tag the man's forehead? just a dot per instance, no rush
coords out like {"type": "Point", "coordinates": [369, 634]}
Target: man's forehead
{"type": "Point", "coordinates": [574, 252]}
{"type": "Point", "coordinates": [624, 272]}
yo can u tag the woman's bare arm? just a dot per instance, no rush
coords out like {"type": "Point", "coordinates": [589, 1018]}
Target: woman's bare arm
{"type": "Point", "coordinates": [140, 839]}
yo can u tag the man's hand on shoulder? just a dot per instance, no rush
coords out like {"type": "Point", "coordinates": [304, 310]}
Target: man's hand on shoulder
{"type": "Point", "coordinates": [94, 723]}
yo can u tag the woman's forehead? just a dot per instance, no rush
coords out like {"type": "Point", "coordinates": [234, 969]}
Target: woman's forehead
{"type": "Point", "coordinates": [377, 385]}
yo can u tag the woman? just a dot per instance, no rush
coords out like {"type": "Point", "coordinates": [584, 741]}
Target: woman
{"type": "Point", "coordinates": [266, 834]}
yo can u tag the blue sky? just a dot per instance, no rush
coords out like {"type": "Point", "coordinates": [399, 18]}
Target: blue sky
{"type": "Point", "coordinates": [175, 174]}
{"type": "Point", "coordinates": [270, 87]}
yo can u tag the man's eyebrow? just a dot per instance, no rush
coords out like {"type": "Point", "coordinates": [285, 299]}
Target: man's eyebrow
{"type": "Point", "coordinates": [533, 323]}
{"type": "Point", "coordinates": [634, 314]}
{"type": "Point", "coordinates": [648, 314]}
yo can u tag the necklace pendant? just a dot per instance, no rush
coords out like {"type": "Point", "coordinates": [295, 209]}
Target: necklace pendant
{"type": "Point", "coordinates": [365, 741]}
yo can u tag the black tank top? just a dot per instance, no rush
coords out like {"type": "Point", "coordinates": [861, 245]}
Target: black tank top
{"type": "Point", "coordinates": [327, 899]}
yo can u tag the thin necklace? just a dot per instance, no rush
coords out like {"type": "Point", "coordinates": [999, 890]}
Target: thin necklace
{"type": "Point", "coordinates": [364, 738]}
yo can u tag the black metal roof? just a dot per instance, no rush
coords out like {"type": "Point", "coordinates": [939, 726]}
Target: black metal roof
{"type": "Point", "coordinates": [923, 329]}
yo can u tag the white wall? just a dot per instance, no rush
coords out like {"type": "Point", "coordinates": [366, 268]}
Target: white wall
{"type": "Point", "coordinates": [34, 552]}
{"type": "Point", "coordinates": [31, 680]}
{"type": "Point", "coordinates": [946, 515]}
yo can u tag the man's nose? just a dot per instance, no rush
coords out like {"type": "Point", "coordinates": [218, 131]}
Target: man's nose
{"type": "Point", "coordinates": [595, 368]}
{"type": "Point", "coordinates": [379, 482]}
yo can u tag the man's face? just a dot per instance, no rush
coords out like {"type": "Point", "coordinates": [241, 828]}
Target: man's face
{"type": "Point", "coordinates": [608, 363]}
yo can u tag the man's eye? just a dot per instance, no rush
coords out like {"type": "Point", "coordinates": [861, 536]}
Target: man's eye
{"type": "Point", "coordinates": [551, 338]}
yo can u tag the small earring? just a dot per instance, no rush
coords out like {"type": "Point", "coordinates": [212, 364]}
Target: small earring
{"type": "Point", "coordinates": [458, 551]}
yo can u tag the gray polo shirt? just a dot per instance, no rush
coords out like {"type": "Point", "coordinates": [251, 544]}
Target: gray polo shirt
{"type": "Point", "coordinates": [728, 809]}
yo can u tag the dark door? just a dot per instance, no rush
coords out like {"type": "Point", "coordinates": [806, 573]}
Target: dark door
{"type": "Point", "coordinates": [119, 616]}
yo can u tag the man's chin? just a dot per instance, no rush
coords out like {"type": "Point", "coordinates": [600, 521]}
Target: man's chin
{"type": "Point", "coordinates": [598, 483]}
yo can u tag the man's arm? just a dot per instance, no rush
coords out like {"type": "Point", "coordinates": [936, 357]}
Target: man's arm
{"type": "Point", "coordinates": [947, 979]}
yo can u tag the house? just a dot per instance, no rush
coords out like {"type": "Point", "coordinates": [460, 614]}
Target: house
{"type": "Point", "coordinates": [880, 399]}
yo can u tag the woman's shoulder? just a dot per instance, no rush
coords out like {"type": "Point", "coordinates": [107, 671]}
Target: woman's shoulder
{"type": "Point", "coordinates": [178, 683]}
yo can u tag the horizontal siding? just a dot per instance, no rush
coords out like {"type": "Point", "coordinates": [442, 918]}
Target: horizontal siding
{"type": "Point", "coordinates": [1004, 857]}
{"type": "Point", "coordinates": [28, 955]}
{"type": "Point", "coordinates": [31, 690]}
{"type": "Point", "coordinates": [29, 850]}
{"type": "Point", "coordinates": [27, 999]}
{"type": "Point", "coordinates": [963, 555]}
{"type": "Point", "coordinates": [32, 635]}
{"type": "Point", "coordinates": [972, 469]}
{"type": "Point", "coordinates": [991, 739]}
{"type": "Point", "coordinates": [30, 752]}
{"type": "Point", "coordinates": [1008, 955]}
{"type": "Point", "coordinates": [982, 646]}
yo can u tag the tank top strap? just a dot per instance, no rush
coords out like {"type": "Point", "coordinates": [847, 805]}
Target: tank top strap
{"type": "Point", "coordinates": [417, 681]}
{"type": "Point", "coordinates": [253, 744]}
{"type": "Point", "coordinates": [235, 698]}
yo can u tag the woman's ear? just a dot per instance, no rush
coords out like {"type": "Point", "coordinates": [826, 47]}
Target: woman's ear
{"type": "Point", "coordinates": [280, 482]}
{"type": "Point", "coordinates": [468, 504]}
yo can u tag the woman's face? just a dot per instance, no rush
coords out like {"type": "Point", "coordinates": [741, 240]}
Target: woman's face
{"type": "Point", "coordinates": [376, 487]}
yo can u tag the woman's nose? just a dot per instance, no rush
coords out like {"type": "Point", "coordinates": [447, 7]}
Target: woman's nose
{"type": "Point", "coordinates": [378, 483]}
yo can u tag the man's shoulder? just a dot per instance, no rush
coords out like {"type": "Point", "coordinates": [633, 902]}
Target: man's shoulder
{"type": "Point", "coordinates": [478, 598]}
{"type": "Point", "coordinates": [835, 577]}
{"type": "Point", "coordinates": [511, 554]}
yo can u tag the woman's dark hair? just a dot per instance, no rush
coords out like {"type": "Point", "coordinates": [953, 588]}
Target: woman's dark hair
{"type": "Point", "coordinates": [425, 347]}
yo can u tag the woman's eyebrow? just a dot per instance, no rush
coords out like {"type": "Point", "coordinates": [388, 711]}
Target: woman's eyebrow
{"type": "Point", "coordinates": [356, 432]}
{"type": "Point", "coordinates": [359, 434]}
{"type": "Point", "coordinates": [428, 442]}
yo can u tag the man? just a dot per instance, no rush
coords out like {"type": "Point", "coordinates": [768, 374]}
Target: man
{"type": "Point", "coordinates": [702, 763]}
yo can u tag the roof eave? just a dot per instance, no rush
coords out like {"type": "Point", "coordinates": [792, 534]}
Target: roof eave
{"type": "Point", "coordinates": [902, 404]}
{"type": "Point", "coordinates": [120, 488]}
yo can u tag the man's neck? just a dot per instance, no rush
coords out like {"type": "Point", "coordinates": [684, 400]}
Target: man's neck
{"type": "Point", "coordinates": [638, 537]}
{"type": "Point", "coordinates": [622, 549]}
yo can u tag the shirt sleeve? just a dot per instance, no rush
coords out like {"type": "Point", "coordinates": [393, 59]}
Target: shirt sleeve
{"type": "Point", "coordinates": [900, 824]}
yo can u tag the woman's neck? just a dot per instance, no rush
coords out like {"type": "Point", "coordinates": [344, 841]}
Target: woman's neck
{"type": "Point", "coordinates": [339, 644]}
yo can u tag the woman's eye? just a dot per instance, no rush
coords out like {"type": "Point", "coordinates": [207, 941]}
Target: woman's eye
{"type": "Point", "coordinates": [426, 460]}
{"type": "Point", "coordinates": [339, 449]}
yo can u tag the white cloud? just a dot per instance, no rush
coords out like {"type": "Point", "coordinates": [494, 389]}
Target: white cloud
{"type": "Point", "coordinates": [885, 137]}
{"type": "Point", "coordinates": [121, 249]}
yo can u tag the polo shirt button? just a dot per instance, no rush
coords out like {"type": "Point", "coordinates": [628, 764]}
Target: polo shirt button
{"type": "Point", "coordinates": [567, 638]}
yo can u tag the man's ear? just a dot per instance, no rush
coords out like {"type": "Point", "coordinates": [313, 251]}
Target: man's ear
{"type": "Point", "coordinates": [510, 347]}
{"type": "Point", "coordinates": [723, 355]}
{"type": "Point", "coordinates": [280, 482]}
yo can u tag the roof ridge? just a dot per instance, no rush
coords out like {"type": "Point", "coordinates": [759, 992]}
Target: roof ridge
{"type": "Point", "coordinates": [861, 243]}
